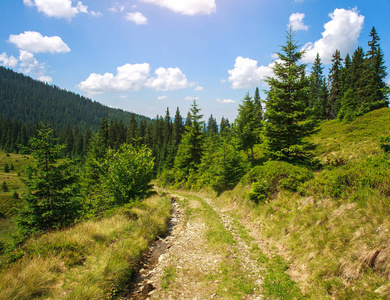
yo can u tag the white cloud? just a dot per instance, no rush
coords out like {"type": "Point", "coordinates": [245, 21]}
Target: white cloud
{"type": "Point", "coordinates": [168, 80]}
{"type": "Point", "coordinates": [134, 78]}
{"type": "Point", "coordinates": [225, 101]}
{"type": "Point", "coordinates": [29, 65]}
{"type": "Point", "coordinates": [161, 98]}
{"type": "Point", "coordinates": [59, 8]}
{"type": "Point", "coordinates": [137, 18]}
{"type": "Point", "coordinates": [341, 33]}
{"type": "Point", "coordinates": [246, 74]}
{"type": "Point", "coordinates": [34, 42]}
{"type": "Point", "coordinates": [199, 88]}
{"type": "Point", "coordinates": [388, 81]}
{"type": "Point", "coordinates": [187, 7]}
{"type": "Point", "coordinates": [8, 61]}
{"type": "Point", "coordinates": [46, 79]}
{"type": "Point", "coordinates": [189, 98]}
{"type": "Point", "coordinates": [296, 22]}
{"type": "Point", "coordinates": [128, 78]}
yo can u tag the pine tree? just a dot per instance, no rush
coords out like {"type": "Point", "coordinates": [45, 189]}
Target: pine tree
{"type": "Point", "coordinates": [4, 187]}
{"type": "Point", "coordinates": [212, 126]}
{"type": "Point", "coordinates": [258, 107]}
{"type": "Point", "coordinates": [375, 95]}
{"type": "Point", "coordinates": [286, 111]}
{"type": "Point", "coordinates": [247, 126]}
{"type": "Point", "coordinates": [132, 130]}
{"type": "Point", "coordinates": [335, 94]}
{"type": "Point", "coordinates": [317, 90]}
{"type": "Point", "coordinates": [178, 128]}
{"type": "Point", "coordinates": [190, 150]}
{"type": "Point", "coordinates": [224, 127]}
{"type": "Point", "coordinates": [51, 200]}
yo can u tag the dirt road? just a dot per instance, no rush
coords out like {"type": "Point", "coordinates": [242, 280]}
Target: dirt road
{"type": "Point", "coordinates": [208, 254]}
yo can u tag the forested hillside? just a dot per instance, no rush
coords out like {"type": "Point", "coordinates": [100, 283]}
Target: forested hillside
{"type": "Point", "coordinates": [30, 101]}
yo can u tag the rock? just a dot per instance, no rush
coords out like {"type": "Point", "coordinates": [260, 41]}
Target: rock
{"type": "Point", "coordinates": [147, 289]}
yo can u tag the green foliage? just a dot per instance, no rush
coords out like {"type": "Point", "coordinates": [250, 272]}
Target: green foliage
{"type": "Point", "coordinates": [190, 150]}
{"type": "Point", "coordinates": [222, 164]}
{"type": "Point", "coordinates": [6, 168]}
{"type": "Point", "coordinates": [274, 176]}
{"type": "Point", "coordinates": [287, 113]}
{"type": "Point", "coordinates": [352, 181]}
{"type": "Point", "coordinates": [4, 186]}
{"type": "Point", "coordinates": [129, 173]}
{"type": "Point", "coordinates": [51, 200]}
{"type": "Point", "coordinates": [384, 144]}
{"type": "Point", "coordinates": [247, 125]}
{"type": "Point", "coordinates": [348, 111]}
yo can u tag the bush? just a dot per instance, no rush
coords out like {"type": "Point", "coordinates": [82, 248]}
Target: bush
{"type": "Point", "coordinates": [346, 180]}
{"type": "Point", "coordinates": [129, 172]}
{"type": "Point", "coordinates": [274, 176]}
{"type": "Point", "coordinates": [6, 168]}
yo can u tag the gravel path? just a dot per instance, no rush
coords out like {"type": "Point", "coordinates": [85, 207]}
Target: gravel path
{"type": "Point", "coordinates": [185, 265]}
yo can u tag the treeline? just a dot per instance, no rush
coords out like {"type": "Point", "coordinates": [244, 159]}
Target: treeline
{"type": "Point", "coordinates": [355, 84]}
{"type": "Point", "coordinates": [295, 103]}
{"type": "Point", "coordinates": [25, 103]}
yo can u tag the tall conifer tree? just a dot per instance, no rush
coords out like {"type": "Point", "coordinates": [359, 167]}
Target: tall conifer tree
{"type": "Point", "coordinates": [286, 110]}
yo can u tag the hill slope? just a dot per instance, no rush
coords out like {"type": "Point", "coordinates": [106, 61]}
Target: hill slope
{"type": "Point", "coordinates": [335, 230]}
{"type": "Point", "coordinates": [29, 101]}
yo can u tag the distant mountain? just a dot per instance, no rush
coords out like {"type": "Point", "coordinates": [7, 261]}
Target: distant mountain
{"type": "Point", "coordinates": [30, 101]}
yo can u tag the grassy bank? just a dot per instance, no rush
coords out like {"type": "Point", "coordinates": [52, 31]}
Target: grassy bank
{"type": "Point", "coordinates": [92, 260]}
{"type": "Point", "coordinates": [335, 230]}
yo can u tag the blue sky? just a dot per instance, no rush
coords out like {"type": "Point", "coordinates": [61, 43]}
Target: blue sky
{"type": "Point", "coordinates": [147, 55]}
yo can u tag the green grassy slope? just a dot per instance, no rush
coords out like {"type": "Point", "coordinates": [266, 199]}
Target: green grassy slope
{"type": "Point", "coordinates": [335, 230]}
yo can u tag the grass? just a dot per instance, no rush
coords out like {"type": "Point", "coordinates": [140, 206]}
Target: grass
{"type": "Point", "coordinates": [335, 232]}
{"type": "Point", "coordinates": [92, 260]}
{"type": "Point", "coordinates": [170, 273]}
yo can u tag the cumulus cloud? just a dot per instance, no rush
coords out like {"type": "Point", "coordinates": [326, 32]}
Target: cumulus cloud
{"type": "Point", "coordinates": [34, 42]}
{"type": "Point", "coordinates": [46, 79]}
{"type": "Point", "coordinates": [8, 61]}
{"type": "Point", "coordinates": [296, 22]}
{"type": "Point", "coordinates": [199, 88]}
{"type": "Point", "coordinates": [59, 8]}
{"type": "Point", "coordinates": [134, 78]}
{"type": "Point", "coordinates": [225, 101]}
{"type": "Point", "coordinates": [187, 7]}
{"type": "Point", "coordinates": [168, 80]}
{"type": "Point", "coordinates": [246, 74]}
{"type": "Point", "coordinates": [341, 32]}
{"type": "Point", "coordinates": [161, 98]}
{"type": "Point", "coordinates": [137, 17]}
{"type": "Point", "coordinates": [29, 65]}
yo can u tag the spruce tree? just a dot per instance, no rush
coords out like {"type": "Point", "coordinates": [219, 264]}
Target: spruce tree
{"type": "Point", "coordinates": [212, 126]}
{"type": "Point", "coordinates": [190, 150]}
{"type": "Point", "coordinates": [258, 107]}
{"type": "Point", "coordinates": [335, 93]}
{"type": "Point", "coordinates": [317, 90]}
{"type": "Point", "coordinates": [286, 110]}
{"type": "Point", "coordinates": [376, 96]}
{"type": "Point", "coordinates": [224, 127]}
{"type": "Point", "coordinates": [178, 128]}
{"type": "Point", "coordinates": [247, 126]}
{"type": "Point", "coordinates": [51, 200]}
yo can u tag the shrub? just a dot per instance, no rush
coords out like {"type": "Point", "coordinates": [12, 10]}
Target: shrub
{"type": "Point", "coordinates": [6, 168]}
{"type": "Point", "coordinates": [274, 176]}
{"type": "Point", "coordinates": [129, 173]}
{"type": "Point", "coordinates": [346, 180]}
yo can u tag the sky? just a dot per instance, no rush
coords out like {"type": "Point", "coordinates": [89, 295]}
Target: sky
{"type": "Point", "coordinates": [145, 56]}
